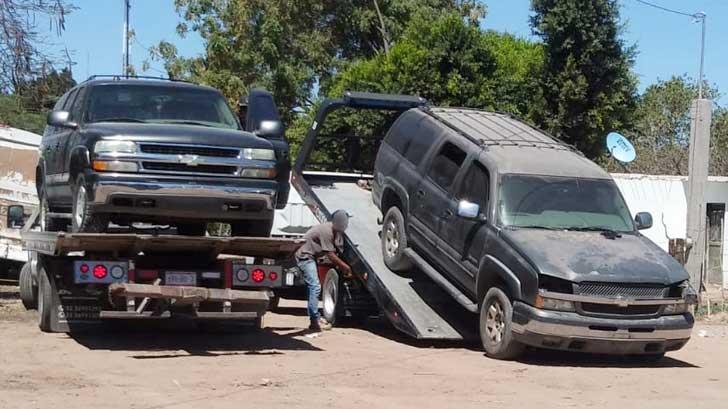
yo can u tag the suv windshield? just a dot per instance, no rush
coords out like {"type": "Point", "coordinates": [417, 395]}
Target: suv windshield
{"type": "Point", "coordinates": [562, 203]}
{"type": "Point", "coordinates": [159, 104]}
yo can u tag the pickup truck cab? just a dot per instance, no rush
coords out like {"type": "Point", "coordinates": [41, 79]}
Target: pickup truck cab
{"type": "Point", "coordinates": [127, 150]}
{"type": "Point", "coordinates": [537, 236]}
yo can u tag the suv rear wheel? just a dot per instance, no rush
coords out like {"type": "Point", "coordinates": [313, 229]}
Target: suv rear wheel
{"type": "Point", "coordinates": [496, 314]}
{"type": "Point", "coordinates": [394, 241]}
{"type": "Point", "coordinates": [83, 218]}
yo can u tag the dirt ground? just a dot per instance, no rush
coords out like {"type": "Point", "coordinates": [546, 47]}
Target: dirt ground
{"type": "Point", "coordinates": [369, 367]}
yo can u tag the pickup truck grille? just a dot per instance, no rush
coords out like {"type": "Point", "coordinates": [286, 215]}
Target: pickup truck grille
{"type": "Point", "coordinates": [616, 290]}
{"type": "Point", "coordinates": [611, 309]}
{"type": "Point", "coordinates": [181, 167]}
{"type": "Point", "coordinates": [160, 149]}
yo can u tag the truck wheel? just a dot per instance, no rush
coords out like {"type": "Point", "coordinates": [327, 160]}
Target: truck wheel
{"type": "Point", "coordinates": [251, 228]}
{"type": "Point", "coordinates": [331, 297]}
{"type": "Point", "coordinates": [45, 301]}
{"type": "Point", "coordinates": [84, 219]}
{"type": "Point", "coordinates": [192, 229]}
{"type": "Point", "coordinates": [496, 313]}
{"type": "Point", "coordinates": [46, 222]}
{"type": "Point", "coordinates": [394, 241]}
{"type": "Point", "coordinates": [28, 291]}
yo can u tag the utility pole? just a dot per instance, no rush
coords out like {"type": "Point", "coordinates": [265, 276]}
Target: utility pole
{"type": "Point", "coordinates": [701, 111]}
{"type": "Point", "coordinates": [125, 44]}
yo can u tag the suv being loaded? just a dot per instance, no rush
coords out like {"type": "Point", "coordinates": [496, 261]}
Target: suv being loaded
{"type": "Point", "coordinates": [529, 234]}
{"type": "Point", "coordinates": [163, 152]}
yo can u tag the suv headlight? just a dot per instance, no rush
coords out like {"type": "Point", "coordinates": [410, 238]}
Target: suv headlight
{"type": "Point", "coordinates": [115, 147]}
{"type": "Point", "coordinates": [553, 304]}
{"type": "Point", "coordinates": [675, 309]}
{"type": "Point", "coordinates": [259, 154]}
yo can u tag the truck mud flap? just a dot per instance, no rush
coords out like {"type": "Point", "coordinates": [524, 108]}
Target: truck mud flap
{"type": "Point", "coordinates": [71, 312]}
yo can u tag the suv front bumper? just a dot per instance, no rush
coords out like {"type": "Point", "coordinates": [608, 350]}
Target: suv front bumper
{"type": "Point", "coordinates": [573, 332]}
{"type": "Point", "coordinates": [170, 198]}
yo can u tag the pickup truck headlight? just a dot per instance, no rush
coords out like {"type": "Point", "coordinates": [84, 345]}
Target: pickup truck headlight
{"type": "Point", "coordinates": [257, 173]}
{"type": "Point", "coordinates": [115, 147]}
{"type": "Point", "coordinates": [259, 154]}
{"type": "Point", "coordinates": [675, 309]}
{"type": "Point", "coordinates": [554, 304]}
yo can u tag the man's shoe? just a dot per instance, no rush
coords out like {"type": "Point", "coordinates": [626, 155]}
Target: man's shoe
{"type": "Point", "coordinates": [320, 325]}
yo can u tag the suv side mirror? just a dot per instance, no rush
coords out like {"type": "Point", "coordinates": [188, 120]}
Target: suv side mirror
{"type": "Point", "coordinates": [469, 210]}
{"type": "Point", "coordinates": [643, 220]}
{"type": "Point", "coordinates": [270, 129]}
{"type": "Point", "coordinates": [15, 217]}
{"type": "Point", "coordinates": [61, 119]}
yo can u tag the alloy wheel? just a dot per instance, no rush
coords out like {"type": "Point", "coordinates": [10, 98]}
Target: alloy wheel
{"type": "Point", "coordinates": [494, 322]}
{"type": "Point", "coordinates": [80, 209]}
{"type": "Point", "coordinates": [392, 239]}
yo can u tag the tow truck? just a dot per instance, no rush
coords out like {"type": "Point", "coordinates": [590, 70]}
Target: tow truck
{"type": "Point", "coordinates": [77, 280]}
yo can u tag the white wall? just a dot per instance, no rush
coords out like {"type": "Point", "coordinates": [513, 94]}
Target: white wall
{"type": "Point", "coordinates": [665, 197]}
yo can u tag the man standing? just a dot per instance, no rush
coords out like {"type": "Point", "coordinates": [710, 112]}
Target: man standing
{"type": "Point", "coordinates": [322, 240]}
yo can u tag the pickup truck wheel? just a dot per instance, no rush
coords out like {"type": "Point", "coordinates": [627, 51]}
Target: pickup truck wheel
{"type": "Point", "coordinates": [84, 219]}
{"type": "Point", "coordinates": [394, 241]}
{"type": "Point", "coordinates": [251, 228]}
{"type": "Point", "coordinates": [46, 222]}
{"type": "Point", "coordinates": [192, 229]}
{"type": "Point", "coordinates": [45, 301]}
{"type": "Point", "coordinates": [331, 297]}
{"type": "Point", "coordinates": [496, 313]}
{"type": "Point", "coordinates": [28, 291]}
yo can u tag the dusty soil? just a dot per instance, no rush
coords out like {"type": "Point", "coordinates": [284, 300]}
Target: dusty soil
{"type": "Point", "coordinates": [369, 367]}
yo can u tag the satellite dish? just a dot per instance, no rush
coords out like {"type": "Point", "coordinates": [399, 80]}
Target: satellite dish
{"type": "Point", "coordinates": [620, 148]}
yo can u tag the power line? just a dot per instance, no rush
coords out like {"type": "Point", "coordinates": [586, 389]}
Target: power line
{"type": "Point", "coordinates": [657, 6]}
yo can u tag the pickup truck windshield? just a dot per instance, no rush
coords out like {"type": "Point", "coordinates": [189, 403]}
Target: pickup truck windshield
{"type": "Point", "coordinates": [159, 104]}
{"type": "Point", "coordinates": [562, 203]}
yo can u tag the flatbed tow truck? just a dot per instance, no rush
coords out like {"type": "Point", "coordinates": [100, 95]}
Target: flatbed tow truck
{"type": "Point", "coordinates": [415, 304]}
{"type": "Point", "coordinates": [82, 279]}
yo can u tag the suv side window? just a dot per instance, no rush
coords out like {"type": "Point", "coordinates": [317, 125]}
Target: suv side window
{"type": "Point", "coordinates": [420, 141]}
{"type": "Point", "coordinates": [474, 187]}
{"type": "Point", "coordinates": [77, 105]}
{"type": "Point", "coordinates": [69, 100]}
{"type": "Point", "coordinates": [446, 164]}
{"type": "Point", "coordinates": [398, 139]}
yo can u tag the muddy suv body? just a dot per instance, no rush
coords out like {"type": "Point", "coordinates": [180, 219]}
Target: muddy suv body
{"type": "Point", "coordinates": [162, 152]}
{"type": "Point", "coordinates": [529, 233]}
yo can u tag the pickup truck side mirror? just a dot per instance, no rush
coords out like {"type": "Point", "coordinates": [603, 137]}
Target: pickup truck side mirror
{"type": "Point", "coordinates": [470, 210]}
{"type": "Point", "coordinates": [270, 129]}
{"type": "Point", "coordinates": [15, 217]}
{"type": "Point", "coordinates": [61, 119]}
{"type": "Point", "coordinates": [643, 220]}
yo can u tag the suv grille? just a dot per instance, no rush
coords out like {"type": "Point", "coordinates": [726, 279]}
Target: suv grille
{"type": "Point", "coordinates": [630, 291]}
{"type": "Point", "coordinates": [610, 309]}
{"type": "Point", "coordinates": [181, 167]}
{"type": "Point", "coordinates": [189, 150]}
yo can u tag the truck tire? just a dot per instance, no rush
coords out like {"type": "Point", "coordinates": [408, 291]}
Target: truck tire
{"type": "Point", "coordinates": [192, 229]}
{"type": "Point", "coordinates": [496, 313]}
{"type": "Point", "coordinates": [46, 304]}
{"type": "Point", "coordinates": [394, 241]}
{"type": "Point", "coordinates": [251, 228]}
{"type": "Point", "coordinates": [28, 291]}
{"type": "Point", "coordinates": [84, 219]}
{"type": "Point", "coordinates": [46, 222]}
{"type": "Point", "coordinates": [331, 297]}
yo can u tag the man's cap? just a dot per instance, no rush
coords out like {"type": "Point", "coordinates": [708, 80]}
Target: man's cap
{"type": "Point", "coordinates": [340, 219]}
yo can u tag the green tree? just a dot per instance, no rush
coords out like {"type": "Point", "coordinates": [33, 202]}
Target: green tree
{"type": "Point", "coordinates": [586, 82]}
{"type": "Point", "coordinates": [14, 114]}
{"type": "Point", "coordinates": [40, 93]}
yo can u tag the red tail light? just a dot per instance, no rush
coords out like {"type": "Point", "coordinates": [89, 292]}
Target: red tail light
{"type": "Point", "coordinates": [99, 271]}
{"type": "Point", "coordinates": [84, 268]}
{"type": "Point", "coordinates": [258, 275]}
{"type": "Point", "coordinates": [273, 276]}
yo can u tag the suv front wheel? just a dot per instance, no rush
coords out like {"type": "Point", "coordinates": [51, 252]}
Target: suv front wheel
{"type": "Point", "coordinates": [83, 218]}
{"type": "Point", "coordinates": [496, 315]}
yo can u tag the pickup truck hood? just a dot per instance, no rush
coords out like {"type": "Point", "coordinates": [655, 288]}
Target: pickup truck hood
{"type": "Point", "coordinates": [176, 133]}
{"type": "Point", "coordinates": [590, 256]}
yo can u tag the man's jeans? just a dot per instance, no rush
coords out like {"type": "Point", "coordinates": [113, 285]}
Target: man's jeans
{"type": "Point", "coordinates": [310, 277]}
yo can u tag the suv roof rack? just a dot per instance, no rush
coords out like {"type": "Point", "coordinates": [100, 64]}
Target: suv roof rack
{"type": "Point", "coordinates": [119, 77]}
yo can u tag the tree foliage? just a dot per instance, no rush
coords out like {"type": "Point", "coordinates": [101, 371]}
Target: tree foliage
{"type": "Point", "coordinates": [21, 55]}
{"type": "Point", "coordinates": [586, 81]}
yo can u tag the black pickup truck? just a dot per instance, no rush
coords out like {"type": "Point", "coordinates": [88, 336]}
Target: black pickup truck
{"type": "Point", "coordinates": [128, 150]}
{"type": "Point", "coordinates": [528, 233]}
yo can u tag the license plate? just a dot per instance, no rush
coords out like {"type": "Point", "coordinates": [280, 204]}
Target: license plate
{"type": "Point", "coordinates": [180, 278]}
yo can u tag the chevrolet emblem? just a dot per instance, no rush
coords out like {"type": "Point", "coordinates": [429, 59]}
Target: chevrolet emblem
{"type": "Point", "coordinates": [189, 160]}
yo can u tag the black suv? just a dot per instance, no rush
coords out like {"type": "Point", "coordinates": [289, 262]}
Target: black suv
{"type": "Point", "coordinates": [529, 234]}
{"type": "Point", "coordinates": [127, 150]}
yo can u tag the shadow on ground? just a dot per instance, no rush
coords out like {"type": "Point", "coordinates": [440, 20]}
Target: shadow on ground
{"type": "Point", "coordinates": [177, 340]}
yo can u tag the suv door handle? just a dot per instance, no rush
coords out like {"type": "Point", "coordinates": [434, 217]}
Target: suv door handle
{"type": "Point", "coordinates": [420, 193]}
{"type": "Point", "coordinates": [447, 214]}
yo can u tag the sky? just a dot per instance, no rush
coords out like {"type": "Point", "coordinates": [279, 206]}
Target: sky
{"type": "Point", "coordinates": [667, 44]}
